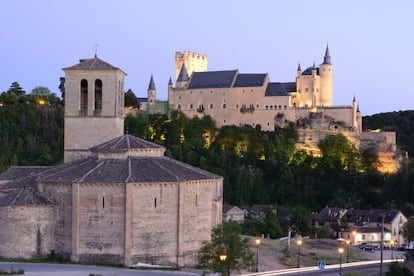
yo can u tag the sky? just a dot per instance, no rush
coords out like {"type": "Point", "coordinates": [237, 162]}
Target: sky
{"type": "Point", "coordinates": [371, 42]}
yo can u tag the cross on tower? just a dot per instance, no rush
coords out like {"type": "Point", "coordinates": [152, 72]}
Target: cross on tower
{"type": "Point", "coordinates": [96, 49]}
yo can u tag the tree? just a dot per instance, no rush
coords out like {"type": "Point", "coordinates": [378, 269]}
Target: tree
{"type": "Point", "coordinates": [16, 89]}
{"type": "Point", "coordinates": [408, 230]}
{"type": "Point", "coordinates": [41, 91]}
{"type": "Point", "coordinates": [131, 100]}
{"type": "Point", "coordinates": [226, 239]}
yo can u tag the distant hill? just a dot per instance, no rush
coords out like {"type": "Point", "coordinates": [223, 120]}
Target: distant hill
{"type": "Point", "coordinates": [401, 122]}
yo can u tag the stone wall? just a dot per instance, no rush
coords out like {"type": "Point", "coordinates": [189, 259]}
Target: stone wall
{"type": "Point", "coordinates": [26, 231]}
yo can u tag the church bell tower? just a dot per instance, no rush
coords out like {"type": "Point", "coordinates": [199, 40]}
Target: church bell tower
{"type": "Point", "coordinates": [94, 104]}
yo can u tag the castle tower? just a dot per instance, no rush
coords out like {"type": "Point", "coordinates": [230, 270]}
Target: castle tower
{"type": "Point", "coordinates": [182, 78]}
{"type": "Point", "coordinates": [151, 92]}
{"type": "Point", "coordinates": [193, 62]}
{"type": "Point", "coordinates": [94, 104]}
{"type": "Point", "coordinates": [326, 80]}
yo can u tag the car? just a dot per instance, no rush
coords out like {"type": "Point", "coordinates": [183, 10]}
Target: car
{"type": "Point", "coordinates": [368, 247]}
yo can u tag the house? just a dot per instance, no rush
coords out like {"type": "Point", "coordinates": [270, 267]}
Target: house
{"type": "Point", "coordinates": [233, 213]}
{"type": "Point", "coordinates": [360, 226]}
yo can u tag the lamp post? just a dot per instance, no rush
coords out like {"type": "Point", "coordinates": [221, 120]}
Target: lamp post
{"type": "Point", "coordinates": [392, 243]}
{"type": "Point", "coordinates": [223, 258]}
{"type": "Point", "coordinates": [340, 251]}
{"type": "Point", "coordinates": [347, 250]}
{"type": "Point", "coordinates": [299, 244]}
{"type": "Point", "coordinates": [354, 232]}
{"type": "Point", "coordinates": [257, 241]}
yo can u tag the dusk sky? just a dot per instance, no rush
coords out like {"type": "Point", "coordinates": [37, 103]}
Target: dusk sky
{"type": "Point", "coordinates": [371, 42]}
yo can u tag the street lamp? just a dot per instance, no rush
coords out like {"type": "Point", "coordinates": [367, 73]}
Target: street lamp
{"type": "Point", "coordinates": [354, 232]}
{"type": "Point", "coordinates": [299, 244]}
{"type": "Point", "coordinates": [257, 241]}
{"type": "Point", "coordinates": [392, 243]}
{"type": "Point", "coordinates": [347, 250]}
{"type": "Point", "coordinates": [340, 251]}
{"type": "Point", "coordinates": [223, 258]}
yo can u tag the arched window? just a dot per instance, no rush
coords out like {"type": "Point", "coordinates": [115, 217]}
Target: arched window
{"type": "Point", "coordinates": [98, 96]}
{"type": "Point", "coordinates": [84, 98]}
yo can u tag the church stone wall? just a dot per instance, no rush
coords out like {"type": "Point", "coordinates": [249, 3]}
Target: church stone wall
{"type": "Point", "coordinates": [26, 231]}
{"type": "Point", "coordinates": [62, 194]}
{"type": "Point", "coordinates": [155, 211]}
{"type": "Point", "coordinates": [102, 223]}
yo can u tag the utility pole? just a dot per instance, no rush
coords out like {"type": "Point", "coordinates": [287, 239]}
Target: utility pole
{"type": "Point", "coordinates": [382, 244]}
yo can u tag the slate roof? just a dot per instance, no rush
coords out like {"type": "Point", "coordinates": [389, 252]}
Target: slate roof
{"type": "Point", "coordinates": [142, 100]}
{"type": "Point", "coordinates": [212, 79]}
{"type": "Point", "coordinates": [183, 75]}
{"type": "Point", "coordinates": [15, 172]}
{"type": "Point", "coordinates": [137, 169]}
{"type": "Point", "coordinates": [308, 71]}
{"type": "Point", "coordinates": [249, 80]}
{"type": "Point", "coordinates": [124, 143]}
{"type": "Point", "coordinates": [92, 64]}
{"type": "Point", "coordinates": [276, 89]}
{"type": "Point", "coordinates": [25, 197]}
{"type": "Point", "coordinates": [151, 85]}
{"type": "Point", "coordinates": [356, 216]}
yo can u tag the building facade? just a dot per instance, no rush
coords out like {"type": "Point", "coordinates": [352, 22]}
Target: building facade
{"type": "Point", "coordinates": [120, 201]}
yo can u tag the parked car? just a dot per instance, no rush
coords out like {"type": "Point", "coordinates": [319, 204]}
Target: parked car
{"type": "Point", "coordinates": [368, 247]}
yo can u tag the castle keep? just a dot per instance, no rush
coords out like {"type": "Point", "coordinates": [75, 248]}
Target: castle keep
{"type": "Point", "coordinates": [117, 198]}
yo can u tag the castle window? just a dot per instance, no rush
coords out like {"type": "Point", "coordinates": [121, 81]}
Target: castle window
{"type": "Point", "coordinates": [84, 98]}
{"type": "Point", "coordinates": [103, 202]}
{"type": "Point", "coordinates": [285, 107]}
{"type": "Point", "coordinates": [268, 124]}
{"type": "Point", "coordinates": [267, 107]}
{"type": "Point", "coordinates": [98, 95]}
{"type": "Point", "coordinates": [191, 106]}
{"type": "Point", "coordinates": [271, 107]}
{"type": "Point", "coordinates": [237, 106]}
{"type": "Point", "coordinates": [224, 106]}
{"type": "Point", "coordinates": [155, 202]}
{"type": "Point", "coordinates": [280, 107]}
{"type": "Point", "coordinates": [179, 107]}
{"type": "Point", "coordinates": [224, 121]}
{"type": "Point", "coordinates": [257, 106]}
{"type": "Point", "coordinates": [211, 106]}
{"type": "Point", "coordinates": [196, 200]}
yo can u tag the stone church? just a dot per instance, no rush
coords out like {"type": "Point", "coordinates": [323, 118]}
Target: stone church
{"type": "Point", "coordinates": [117, 198]}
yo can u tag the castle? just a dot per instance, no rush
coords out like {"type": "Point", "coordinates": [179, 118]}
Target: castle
{"type": "Point", "coordinates": [117, 198]}
{"type": "Point", "coordinates": [234, 98]}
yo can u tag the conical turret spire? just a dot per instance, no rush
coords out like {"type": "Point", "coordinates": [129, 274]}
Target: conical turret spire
{"type": "Point", "coordinates": [327, 57]}
{"type": "Point", "coordinates": [170, 82]}
{"type": "Point", "coordinates": [299, 69]}
{"type": "Point", "coordinates": [151, 85]}
{"type": "Point", "coordinates": [183, 76]}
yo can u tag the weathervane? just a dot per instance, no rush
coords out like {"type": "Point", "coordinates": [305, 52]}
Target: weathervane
{"type": "Point", "coordinates": [96, 49]}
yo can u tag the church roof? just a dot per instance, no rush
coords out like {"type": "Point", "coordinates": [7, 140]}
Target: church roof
{"type": "Point", "coordinates": [15, 172]}
{"type": "Point", "coordinates": [24, 197]}
{"type": "Point", "coordinates": [278, 89]}
{"type": "Point", "coordinates": [92, 64]}
{"type": "Point", "coordinates": [212, 79]}
{"type": "Point", "coordinates": [124, 143]}
{"type": "Point", "coordinates": [126, 159]}
{"type": "Point", "coordinates": [249, 80]}
{"type": "Point", "coordinates": [133, 169]}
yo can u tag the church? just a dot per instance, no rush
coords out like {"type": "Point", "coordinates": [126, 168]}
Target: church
{"type": "Point", "coordinates": [116, 198]}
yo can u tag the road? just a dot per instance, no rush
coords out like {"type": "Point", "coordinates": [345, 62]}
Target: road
{"type": "Point", "coordinates": [41, 269]}
{"type": "Point", "coordinates": [364, 268]}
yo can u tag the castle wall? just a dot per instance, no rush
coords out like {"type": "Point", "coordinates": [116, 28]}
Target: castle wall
{"type": "Point", "coordinates": [26, 231]}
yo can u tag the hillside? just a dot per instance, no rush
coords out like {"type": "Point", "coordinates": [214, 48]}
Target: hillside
{"type": "Point", "coordinates": [402, 122]}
